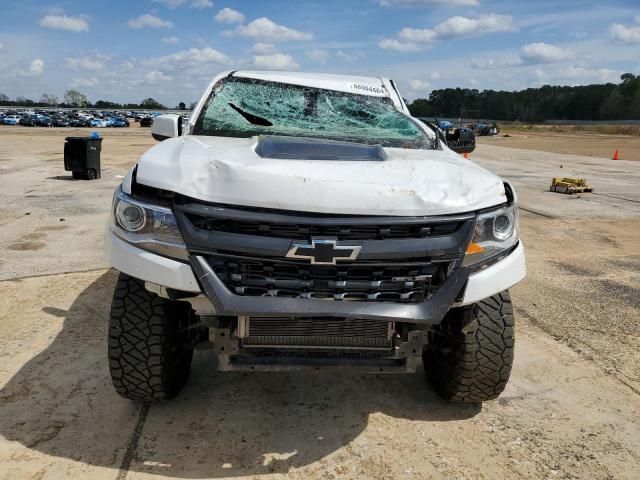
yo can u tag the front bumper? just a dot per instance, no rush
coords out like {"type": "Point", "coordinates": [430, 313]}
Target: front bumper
{"type": "Point", "coordinates": [496, 278]}
{"type": "Point", "coordinates": [148, 266]}
{"type": "Point", "coordinates": [198, 277]}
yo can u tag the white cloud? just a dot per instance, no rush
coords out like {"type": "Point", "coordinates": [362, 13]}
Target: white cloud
{"type": "Point", "coordinates": [63, 22]}
{"type": "Point", "coordinates": [456, 27]}
{"type": "Point", "coordinates": [578, 74]}
{"type": "Point", "coordinates": [1, 45]}
{"type": "Point", "coordinates": [415, 39]}
{"type": "Point", "coordinates": [93, 63]}
{"type": "Point", "coordinates": [201, 4]}
{"type": "Point", "coordinates": [193, 3]}
{"type": "Point", "coordinates": [393, 44]}
{"type": "Point", "coordinates": [188, 58]}
{"type": "Point", "coordinates": [36, 67]}
{"type": "Point", "coordinates": [153, 77]}
{"type": "Point", "coordinates": [263, 48]}
{"type": "Point", "coordinates": [621, 34]}
{"type": "Point", "coordinates": [84, 82]}
{"type": "Point", "coordinates": [536, 53]}
{"type": "Point", "coordinates": [318, 55]}
{"type": "Point", "coordinates": [171, 40]}
{"type": "Point", "coordinates": [229, 15]}
{"type": "Point", "coordinates": [171, 3]}
{"type": "Point", "coordinates": [148, 20]}
{"type": "Point", "coordinates": [483, 63]}
{"type": "Point", "coordinates": [424, 3]}
{"type": "Point", "coordinates": [417, 36]}
{"type": "Point", "coordinates": [417, 85]}
{"type": "Point", "coordinates": [530, 54]}
{"type": "Point", "coordinates": [348, 56]}
{"type": "Point", "coordinates": [276, 61]}
{"type": "Point", "coordinates": [507, 60]}
{"type": "Point", "coordinates": [264, 29]}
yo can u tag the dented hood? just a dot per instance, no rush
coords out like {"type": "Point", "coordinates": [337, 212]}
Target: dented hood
{"type": "Point", "coordinates": [407, 182]}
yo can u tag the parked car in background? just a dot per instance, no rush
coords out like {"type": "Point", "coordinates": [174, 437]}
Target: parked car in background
{"type": "Point", "coordinates": [60, 122]}
{"type": "Point", "coordinates": [120, 122]}
{"type": "Point", "coordinates": [79, 122]}
{"type": "Point", "coordinates": [146, 121]}
{"type": "Point", "coordinates": [27, 121]}
{"type": "Point", "coordinates": [486, 129]}
{"type": "Point", "coordinates": [12, 120]}
{"type": "Point", "coordinates": [43, 121]}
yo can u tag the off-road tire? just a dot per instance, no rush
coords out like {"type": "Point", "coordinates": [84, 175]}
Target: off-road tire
{"type": "Point", "coordinates": [470, 354]}
{"type": "Point", "coordinates": [149, 349]}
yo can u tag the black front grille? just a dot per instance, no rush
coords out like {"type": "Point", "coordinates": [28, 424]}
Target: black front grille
{"type": "Point", "coordinates": [402, 259]}
{"type": "Point", "coordinates": [346, 231]}
{"type": "Point", "coordinates": [398, 282]}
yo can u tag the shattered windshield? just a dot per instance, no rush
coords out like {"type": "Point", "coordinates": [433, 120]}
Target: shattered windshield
{"type": "Point", "coordinates": [245, 108]}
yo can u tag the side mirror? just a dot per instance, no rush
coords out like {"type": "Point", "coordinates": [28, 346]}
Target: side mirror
{"type": "Point", "coordinates": [166, 126]}
{"type": "Point", "coordinates": [461, 140]}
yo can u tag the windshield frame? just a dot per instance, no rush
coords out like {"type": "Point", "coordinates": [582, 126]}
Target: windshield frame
{"type": "Point", "coordinates": [430, 140]}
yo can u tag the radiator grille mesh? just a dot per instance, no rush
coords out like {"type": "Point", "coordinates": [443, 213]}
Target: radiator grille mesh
{"type": "Point", "coordinates": [317, 332]}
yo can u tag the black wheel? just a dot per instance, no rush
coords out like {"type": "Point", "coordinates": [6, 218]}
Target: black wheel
{"type": "Point", "coordinates": [91, 174]}
{"type": "Point", "coordinates": [150, 345]}
{"type": "Point", "coordinates": [470, 354]}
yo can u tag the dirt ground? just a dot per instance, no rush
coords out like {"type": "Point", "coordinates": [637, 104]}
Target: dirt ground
{"type": "Point", "coordinates": [576, 143]}
{"type": "Point", "coordinates": [570, 411]}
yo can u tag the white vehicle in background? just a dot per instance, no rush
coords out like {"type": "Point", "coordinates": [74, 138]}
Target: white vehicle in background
{"type": "Point", "coordinates": [11, 120]}
{"type": "Point", "coordinates": [308, 221]}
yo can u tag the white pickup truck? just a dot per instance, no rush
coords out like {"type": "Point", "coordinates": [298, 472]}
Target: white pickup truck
{"type": "Point", "coordinates": [308, 221]}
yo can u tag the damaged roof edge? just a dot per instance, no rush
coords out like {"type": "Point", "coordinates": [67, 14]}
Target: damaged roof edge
{"type": "Point", "coordinates": [372, 86]}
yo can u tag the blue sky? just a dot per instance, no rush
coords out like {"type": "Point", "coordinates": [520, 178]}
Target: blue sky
{"type": "Point", "coordinates": [169, 49]}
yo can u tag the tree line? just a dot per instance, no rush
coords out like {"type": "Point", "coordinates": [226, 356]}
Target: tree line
{"type": "Point", "coordinates": [589, 102]}
{"type": "Point", "coordinates": [75, 99]}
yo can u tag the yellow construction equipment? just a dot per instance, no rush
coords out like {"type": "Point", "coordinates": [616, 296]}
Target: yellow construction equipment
{"type": "Point", "coordinates": [570, 185]}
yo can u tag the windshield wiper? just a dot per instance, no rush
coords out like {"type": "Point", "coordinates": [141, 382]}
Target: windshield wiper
{"type": "Point", "coordinates": [251, 118]}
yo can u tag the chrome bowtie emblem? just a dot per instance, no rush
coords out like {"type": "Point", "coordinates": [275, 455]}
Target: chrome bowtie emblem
{"type": "Point", "coordinates": [323, 251]}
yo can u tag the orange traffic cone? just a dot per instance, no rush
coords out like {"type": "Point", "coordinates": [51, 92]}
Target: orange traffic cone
{"type": "Point", "coordinates": [466, 156]}
{"type": "Point", "coordinates": [616, 155]}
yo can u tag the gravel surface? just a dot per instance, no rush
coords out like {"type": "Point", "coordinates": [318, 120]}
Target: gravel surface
{"type": "Point", "coordinates": [570, 411]}
{"type": "Point", "coordinates": [578, 143]}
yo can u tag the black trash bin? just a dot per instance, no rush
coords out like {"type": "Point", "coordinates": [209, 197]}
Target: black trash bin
{"type": "Point", "coordinates": [82, 157]}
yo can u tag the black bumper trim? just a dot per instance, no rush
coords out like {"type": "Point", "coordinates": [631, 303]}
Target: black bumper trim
{"type": "Point", "coordinates": [227, 303]}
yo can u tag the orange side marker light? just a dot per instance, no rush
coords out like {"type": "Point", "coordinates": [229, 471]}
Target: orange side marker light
{"type": "Point", "coordinates": [474, 248]}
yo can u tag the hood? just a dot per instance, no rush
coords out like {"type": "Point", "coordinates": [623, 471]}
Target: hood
{"type": "Point", "coordinates": [407, 182]}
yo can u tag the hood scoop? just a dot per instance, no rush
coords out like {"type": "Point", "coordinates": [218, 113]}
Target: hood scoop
{"type": "Point", "coordinates": [300, 148]}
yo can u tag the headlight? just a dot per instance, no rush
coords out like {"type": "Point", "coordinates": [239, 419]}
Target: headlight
{"type": "Point", "coordinates": [496, 231]}
{"type": "Point", "coordinates": [147, 226]}
{"type": "Point", "coordinates": [130, 216]}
